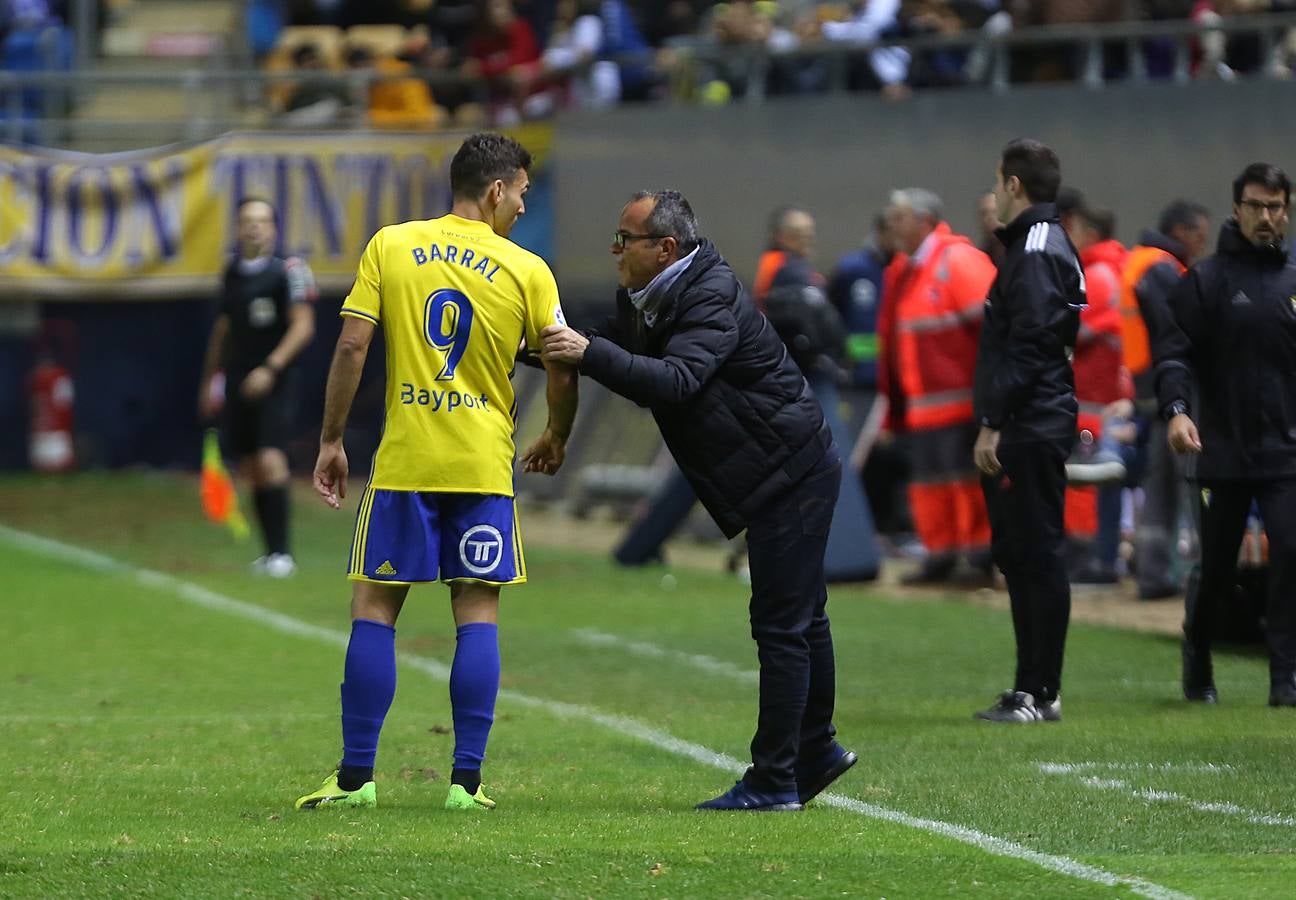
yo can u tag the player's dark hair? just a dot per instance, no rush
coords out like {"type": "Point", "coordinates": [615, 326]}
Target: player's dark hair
{"type": "Point", "coordinates": [483, 159]}
{"type": "Point", "coordinates": [1069, 201]}
{"type": "Point", "coordinates": [1102, 221]}
{"type": "Point", "coordinates": [1036, 166]}
{"type": "Point", "coordinates": [1267, 175]}
{"type": "Point", "coordinates": [1181, 214]}
{"type": "Point", "coordinates": [671, 216]}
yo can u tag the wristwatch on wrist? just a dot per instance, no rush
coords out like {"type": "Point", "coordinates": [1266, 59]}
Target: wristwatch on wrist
{"type": "Point", "coordinates": [1178, 408]}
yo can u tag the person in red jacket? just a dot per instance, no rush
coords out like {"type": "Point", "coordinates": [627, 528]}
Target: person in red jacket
{"type": "Point", "coordinates": [1100, 379]}
{"type": "Point", "coordinates": [931, 322]}
{"type": "Point", "coordinates": [504, 51]}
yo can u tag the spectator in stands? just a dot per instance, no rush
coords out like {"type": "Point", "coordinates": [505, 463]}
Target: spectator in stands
{"type": "Point", "coordinates": [1223, 56]}
{"type": "Point", "coordinates": [1062, 62]}
{"type": "Point", "coordinates": [570, 59]}
{"type": "Point", "coordinates": [317, 97]}
{"type": "Point", "coordinates": [936, 293]}
{"type": "Point", "coordinates": [671, 19]}
{"type": "Point", "coordinates": [441, 59]}
{"type": "Point", "coordinates": [1152, 269]}
{"type": "Point", "coordinates": [735, 25]}
{"type": "Point", "coordinates": [625, 45]}
{"type": "Point", "coordinates": [396, 98]}
{"type": "Point", "coordinates": [504, 51]}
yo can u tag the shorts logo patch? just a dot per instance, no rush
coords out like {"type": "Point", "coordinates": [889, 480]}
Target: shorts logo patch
{"type": "Point", "coordinates": [385, 569]}
{"type": "Point", "coordinates": [481, 548]}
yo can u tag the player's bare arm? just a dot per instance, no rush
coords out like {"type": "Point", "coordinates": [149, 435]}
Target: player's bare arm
{"type": "Point", "coordinates": [547, 453]}
{"type": "Point", "coordinates": [339, 393]}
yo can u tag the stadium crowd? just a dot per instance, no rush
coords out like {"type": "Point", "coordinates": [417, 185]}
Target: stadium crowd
{"type": "Point", "coordinates": [506, 60]}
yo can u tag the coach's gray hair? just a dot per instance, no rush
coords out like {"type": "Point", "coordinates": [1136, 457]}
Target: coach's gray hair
{"type": "Point", "coordinates": [921, 201]}
{"type": "Point", "coordinates": [671, 217]}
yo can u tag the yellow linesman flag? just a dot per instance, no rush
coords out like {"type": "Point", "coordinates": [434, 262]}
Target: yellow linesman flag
{"type": "Point", "coordinates": [219, 499]}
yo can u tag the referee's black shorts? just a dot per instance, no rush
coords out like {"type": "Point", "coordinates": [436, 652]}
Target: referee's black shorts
{"type": "Point", "coordinates": [257, 425]}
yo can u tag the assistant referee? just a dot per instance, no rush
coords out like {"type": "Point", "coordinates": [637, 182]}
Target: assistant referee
{"type": "Point", "coordinates": [266, 318]}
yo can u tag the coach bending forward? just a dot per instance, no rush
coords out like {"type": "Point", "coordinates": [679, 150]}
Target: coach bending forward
{"type": "Point", "coordinates": [688, 343]}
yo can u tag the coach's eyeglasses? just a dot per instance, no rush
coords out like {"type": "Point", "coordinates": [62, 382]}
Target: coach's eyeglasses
{"type": "Point", "coordinates": [1274, 208]}
{"type": "Point", "coordinates": [620, 238]}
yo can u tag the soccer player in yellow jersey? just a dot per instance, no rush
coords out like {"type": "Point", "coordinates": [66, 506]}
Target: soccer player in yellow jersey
{"type": "Point", "coordinates": [455, 299]}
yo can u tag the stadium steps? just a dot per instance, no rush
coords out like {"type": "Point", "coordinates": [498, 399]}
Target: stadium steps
{"type": "Point", "coordinates": [160, 37]}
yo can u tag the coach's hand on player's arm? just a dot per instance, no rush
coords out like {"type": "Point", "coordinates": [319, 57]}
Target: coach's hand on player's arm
{"type": "Point", "coordinates": [546, 455]}
{"type": "Point", "coordinates": [331, 473]}
{"type": "Point", "coordinates": [562, 344]}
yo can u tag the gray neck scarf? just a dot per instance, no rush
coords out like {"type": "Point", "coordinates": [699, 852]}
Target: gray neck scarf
{"type": "Point", "coordinates": [648, 301]}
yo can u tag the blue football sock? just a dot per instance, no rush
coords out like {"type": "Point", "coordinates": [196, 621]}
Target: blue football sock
{"type": "Point", "coordinates": [474, 684]}
{"type": "Point", "coordinates": [367, 691]}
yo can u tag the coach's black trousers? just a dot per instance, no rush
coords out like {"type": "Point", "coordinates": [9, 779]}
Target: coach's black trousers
{"type": "Point", "coordinates": [785, 546]}
{"type": "Point", "coordinates": [1028, 540]}
{"type": "Point", "coordinates": [1224, 506]}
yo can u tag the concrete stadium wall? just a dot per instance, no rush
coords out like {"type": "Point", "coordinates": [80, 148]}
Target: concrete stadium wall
{"type": "Point", "coordinates": [1129, 148]}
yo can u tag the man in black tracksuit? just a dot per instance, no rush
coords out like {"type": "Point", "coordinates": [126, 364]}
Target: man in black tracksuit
{"type": "Point", "coordinates": [1234, 335]}
{"type": "Point", "coordinates": [1024, 398]}
{"type": "Point", "coordinates": [688, 343]}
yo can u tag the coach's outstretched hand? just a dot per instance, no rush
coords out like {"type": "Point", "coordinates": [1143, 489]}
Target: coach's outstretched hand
{"type": "Point", "coordinates": [562, 345]}
{"type": "Point", "coordinates": [546, 454]}
{"type": "Point", "coordinates": [331, 474]}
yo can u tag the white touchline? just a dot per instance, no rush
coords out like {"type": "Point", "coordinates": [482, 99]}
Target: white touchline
{"type": "Point", "coordinates": [592, 638]}
{"type": "Point", "coordinates": [1228, 809]}
{"type": "Point", "coordinates": [1053, 768]}
{"type": "Point", "coordinates": [208, 599]}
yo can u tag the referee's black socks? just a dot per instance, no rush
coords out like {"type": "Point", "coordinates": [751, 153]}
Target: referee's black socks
{"type": "Point", "coordinates": [272, 513]}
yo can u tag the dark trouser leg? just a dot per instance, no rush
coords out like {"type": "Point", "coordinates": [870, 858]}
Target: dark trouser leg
{"type": "Point", "coordinates": [817, 729]}
{"type": "Point", "coordinates": [1026, 503]}
{"type": "Point", "coordinates": [1278, 509]}
{"type": "Point", "coordinates": [786, 548]}
{"type": "Point", "coordinates": [1223, 519]}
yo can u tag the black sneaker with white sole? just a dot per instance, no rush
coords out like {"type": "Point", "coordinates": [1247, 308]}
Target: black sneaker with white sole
{"type": "Point", "coordinates": [1014, 707]}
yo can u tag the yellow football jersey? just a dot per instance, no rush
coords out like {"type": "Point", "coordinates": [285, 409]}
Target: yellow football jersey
{"type": "Point", "coordinates": [454, 300]}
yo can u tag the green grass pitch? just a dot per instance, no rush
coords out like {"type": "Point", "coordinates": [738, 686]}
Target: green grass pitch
{"type": "Point", "coordinates": [157, 730]}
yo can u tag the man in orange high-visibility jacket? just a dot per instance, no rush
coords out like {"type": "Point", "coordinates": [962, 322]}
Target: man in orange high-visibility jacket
{"type": "Point", "coordinates": [1152, 270]}
{"type": "Point", "coordinates": [931, 322]}
{"type": "Point", "coordinates": [1097, 364]}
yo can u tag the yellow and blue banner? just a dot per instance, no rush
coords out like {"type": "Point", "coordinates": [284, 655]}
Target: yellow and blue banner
{"type": "Point", "coordinates": [161, 223]}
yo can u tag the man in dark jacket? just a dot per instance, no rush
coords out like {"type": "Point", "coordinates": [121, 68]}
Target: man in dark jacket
{"type": "Point", "coordinates": [1234, 334]}
{"type": "Point", "coordinates": [688, 343]}
{"type": "Point", "coordinates": [1024, 398]}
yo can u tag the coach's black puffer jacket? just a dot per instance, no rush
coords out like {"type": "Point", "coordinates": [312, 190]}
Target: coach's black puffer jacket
{"type": "Point", "coordinates": [732, 406]}
{"type": "Point", "coordinates": [1234, 334]}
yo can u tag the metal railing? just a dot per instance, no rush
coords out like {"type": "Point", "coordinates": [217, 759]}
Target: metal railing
{"type": "Point", "coordinates": [217, 100]}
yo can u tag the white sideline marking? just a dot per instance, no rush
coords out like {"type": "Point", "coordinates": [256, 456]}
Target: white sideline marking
{"type": "Point", "coordinates": [1154, 796]}
{"type": "Point", "coordinates": [592, 638]}
{"type": "Point", "coordinates": [1050, 768]}
{"type": "Point", "coordinates": [208, 599]}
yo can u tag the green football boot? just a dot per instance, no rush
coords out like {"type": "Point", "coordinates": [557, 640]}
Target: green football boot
{"type": "Point", "coordinates": [459, 798]}
{"type": "Point", "coordinates": [329, 794]}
